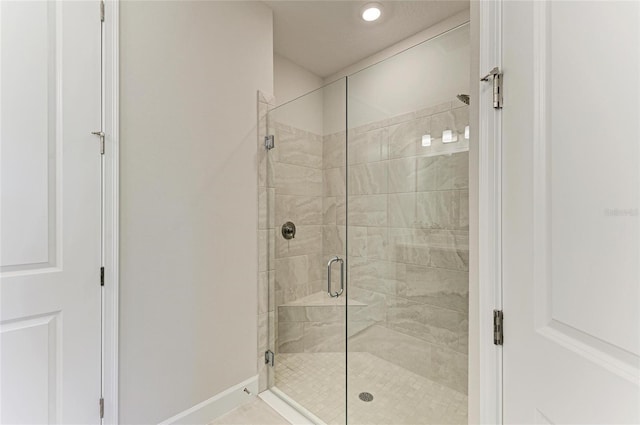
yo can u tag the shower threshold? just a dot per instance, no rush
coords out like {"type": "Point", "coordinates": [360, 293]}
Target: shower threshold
{"type": "Point", "coordinates": [286, 407]}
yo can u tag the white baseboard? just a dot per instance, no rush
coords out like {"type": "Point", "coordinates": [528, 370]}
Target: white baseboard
{"type": "Point", "coordinates": [221, 403]}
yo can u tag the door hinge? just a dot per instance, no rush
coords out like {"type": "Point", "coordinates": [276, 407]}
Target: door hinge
{"type": "Point", "coordinates": [101, 276]}
{"type": "Point", "coordinates": [100, 134]}
{"type": "Point", "coordinates": [101, 408]}
{"type": "Point", "coordinates": [101, 10]}
{"type": "Point", "coordinates": [495, 75]}
{"type": "Point", "coordinates": [498, 333]}
{"type": "Point", "coordinates": [269, 358]}
{"type": "Point", "coordinates": [269, 142]}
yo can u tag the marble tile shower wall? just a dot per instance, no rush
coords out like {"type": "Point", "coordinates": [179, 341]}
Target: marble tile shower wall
{"type": "Point", "coordinates": [294, 182]}
{"type": "Point", "coordinates": [408, 238]}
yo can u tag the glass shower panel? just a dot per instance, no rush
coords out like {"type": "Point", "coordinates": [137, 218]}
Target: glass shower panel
{"type": "Point", "coordinates": [408, 236]}
{"type": "Point", "coordinates": [306, 191]}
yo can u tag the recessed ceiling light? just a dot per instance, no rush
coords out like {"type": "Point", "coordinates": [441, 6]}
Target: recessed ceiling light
{"type": "Point", "coordinates": [371, 12]}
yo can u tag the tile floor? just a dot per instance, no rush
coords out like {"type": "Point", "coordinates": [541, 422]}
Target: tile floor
{"type": "Point", "coordinates": [316, 381]}
{"type": "Point", "coordinates": [255, 412]}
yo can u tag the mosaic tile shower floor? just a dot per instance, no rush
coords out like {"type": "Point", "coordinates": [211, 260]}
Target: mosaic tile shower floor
{"type": "Point", "coordinates": [316, 381]}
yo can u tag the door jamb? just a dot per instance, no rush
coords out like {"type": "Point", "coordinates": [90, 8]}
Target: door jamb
{"type": "Point", "coordinates": [111, 213]}
{"type": "Point", "coordinates": [489, 215]}
{"type": "Point", "coordinates": [489, 253]}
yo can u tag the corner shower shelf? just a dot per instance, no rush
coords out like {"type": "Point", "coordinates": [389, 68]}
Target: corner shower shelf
{"type": "Point", "coordinates": [318, 307]}
{"type": "Point", "coordinates": [319, 299]}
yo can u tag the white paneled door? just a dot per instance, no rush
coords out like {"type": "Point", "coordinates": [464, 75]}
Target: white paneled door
{"type": "Point", "coordinates": [50, 225]}
{"type": "Point", "coordinates": [570, 206]}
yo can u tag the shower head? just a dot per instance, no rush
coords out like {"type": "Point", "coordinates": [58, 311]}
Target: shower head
{"type": "Point", "coordinates": [464, 98]}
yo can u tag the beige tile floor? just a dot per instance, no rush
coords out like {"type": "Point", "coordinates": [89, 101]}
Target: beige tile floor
{"type": "Point", "coordinates": [255, 412]}
{"type": "Point", "coordinates": [317, 381]}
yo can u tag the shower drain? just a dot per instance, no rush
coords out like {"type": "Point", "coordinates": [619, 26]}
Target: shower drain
{"type": "Point", "coordinates": [366, 396]}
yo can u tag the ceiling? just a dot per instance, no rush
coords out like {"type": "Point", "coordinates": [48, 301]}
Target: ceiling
{"type": "Point", "coordinates": [327, 36]}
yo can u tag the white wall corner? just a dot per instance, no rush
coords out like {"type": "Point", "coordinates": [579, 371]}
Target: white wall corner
{"type": "Point", "coordinates": [218, 405]}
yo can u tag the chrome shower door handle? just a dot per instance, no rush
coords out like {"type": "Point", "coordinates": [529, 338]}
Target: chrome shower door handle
{"type": "Point", "coordinates": [329, 264]}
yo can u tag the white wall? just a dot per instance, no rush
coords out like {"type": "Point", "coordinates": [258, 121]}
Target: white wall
{"type": "Point", "coordinates": [189, 76]}
{"type": "Point", "coordinates": [423, 76]}
{"type": "Point", "coordinates": [405, 77]}
{"type": "Point", "coordinates": [290, 81]}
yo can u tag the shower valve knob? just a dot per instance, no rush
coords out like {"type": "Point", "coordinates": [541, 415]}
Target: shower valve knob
{"type": "Point", "coordinates": [288, 230]}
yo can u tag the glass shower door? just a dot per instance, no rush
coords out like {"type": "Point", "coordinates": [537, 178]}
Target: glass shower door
{"type": "Point", "coordinates": [306, 210]}
{"type": "Point", "coordinates": [408, 236]}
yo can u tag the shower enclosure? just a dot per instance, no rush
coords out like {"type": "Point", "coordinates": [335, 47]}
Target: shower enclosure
{"type": "Point", "coordinates": [364, 240]}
